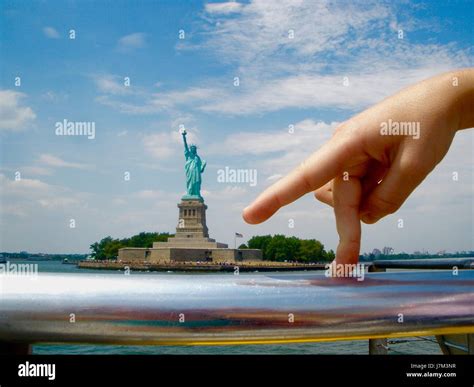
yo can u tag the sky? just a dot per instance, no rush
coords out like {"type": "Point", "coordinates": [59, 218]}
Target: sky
{"type": "Point", "coordinates": [258, 86]}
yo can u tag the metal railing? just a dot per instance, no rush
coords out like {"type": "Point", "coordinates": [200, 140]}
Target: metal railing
{"type": "Point", "coordinates": [432, 263]}
{"type": "Point", "coordinates": [227, 309]}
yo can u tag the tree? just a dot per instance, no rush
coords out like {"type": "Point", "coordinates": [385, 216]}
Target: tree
{"type": "Point", "coordinates": [108, 247]}
{"type": "Point", "coordinates": [260, 242]}
{"type": "Point", "coordinates": [311, 250]}
{"type": "Point", "coordinates": [281, 248]}
{"type": "Point", "coordinates": [98, 248]}
{"type": "Point", "coordinates": [330, 255]}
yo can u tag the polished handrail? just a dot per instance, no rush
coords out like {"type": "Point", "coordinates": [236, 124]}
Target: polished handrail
{"type": "Point", "coordinates": [183, 309]}
{"type": "Point", "coordinates": [428, 263]}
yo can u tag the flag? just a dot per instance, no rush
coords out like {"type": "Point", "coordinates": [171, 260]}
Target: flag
{"type": "Point", "coordinates": [237, 235]}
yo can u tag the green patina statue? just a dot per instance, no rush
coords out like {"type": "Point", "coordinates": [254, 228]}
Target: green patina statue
{"type": "Point", "coordinates": [194, 167]}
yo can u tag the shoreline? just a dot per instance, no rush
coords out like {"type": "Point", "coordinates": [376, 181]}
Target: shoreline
{"type": "Point", "coordinates": [199, 267]}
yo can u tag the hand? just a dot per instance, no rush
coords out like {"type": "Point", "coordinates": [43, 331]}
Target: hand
{"type": "Point", "coordinates": [366, 174]}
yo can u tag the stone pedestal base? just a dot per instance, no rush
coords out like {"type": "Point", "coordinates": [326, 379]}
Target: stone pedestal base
{"type": "Point", "coordinates": [192, 220]}
{"type": "Point", "coordinates": [166, 255]}
{"type": "Point", "coordinates": [190, 243]}
{"type": "Point", "coordinates": [192, 231]}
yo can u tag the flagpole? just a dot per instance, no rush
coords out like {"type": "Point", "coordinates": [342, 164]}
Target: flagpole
{"type": "Point", "coordinates": [237, 235]}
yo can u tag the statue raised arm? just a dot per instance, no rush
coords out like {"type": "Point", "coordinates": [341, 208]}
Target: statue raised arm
{"type": "Point", "coordinates": [186, 148]}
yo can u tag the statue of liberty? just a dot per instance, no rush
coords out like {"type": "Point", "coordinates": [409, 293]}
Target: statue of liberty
{"type": "Point", "coordinates": [194, 167]}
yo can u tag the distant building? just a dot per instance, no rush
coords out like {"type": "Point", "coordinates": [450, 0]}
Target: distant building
{"type": "Point", "coordinates": [376, 253]}
{"type": "Point", "coordinates": [387, 250]}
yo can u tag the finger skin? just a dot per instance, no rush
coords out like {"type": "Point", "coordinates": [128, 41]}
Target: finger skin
{"type": "Point", "coordinates": [439, 107]}
{"type": "Point", "coordinates": [323, 165]}
{"type": "Point", "coordinates": [346, 196]}
{"type": "Point", "coordinates": [406, 172]}
{"type": "Point", "coordinates": [324, 194]}
{"type": "Point", "coordinates": [369, 180]}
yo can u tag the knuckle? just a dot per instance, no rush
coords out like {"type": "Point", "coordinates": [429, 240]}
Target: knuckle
{"type": "Point", "coordinates": [319, 194]}
{"type": "Point", "coordinates": [414, 167]}
{"type": "Point", "coordinates": [384, 206]}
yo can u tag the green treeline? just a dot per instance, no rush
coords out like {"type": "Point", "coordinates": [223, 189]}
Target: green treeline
{"type": "Point", "coordinates": [108, 247]}
{"type": "Point", "coordinates": [283, 248]}
{"type": "Point", "coordinates": [274, 247]}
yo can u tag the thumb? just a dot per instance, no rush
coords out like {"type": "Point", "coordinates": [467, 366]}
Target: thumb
{"type": "Point", "coordinates": [404, 175]}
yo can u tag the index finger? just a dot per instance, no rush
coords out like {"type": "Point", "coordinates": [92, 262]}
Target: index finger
{"type": "Point", "coordinates": [316, 171]}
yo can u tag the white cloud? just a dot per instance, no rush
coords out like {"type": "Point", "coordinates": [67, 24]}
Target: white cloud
{"type": "Point", "coordinates": [52, 96]}
{"type": "Point", "coordinates": [317, 91]}
{"type": "Point", "coordinates": [21, 196]}
{"type": "Point", "coordinates": [53, 161]}
{"type": "Point", "coordinates": [223, 8]}
{"type": "Point", "coordinates": [262, 29]}
{"type": "Point", "coordinates": [22, 186]}
{"type": "Point", "coordinates": [126, 107]}
{"type": "Point", "coordinates": [13, 116]}
{"type": "Point", "coordinates": [348, 40]}
{"type": "Point", "coordinates": [132, 41]}
{"type": "Point", "coordinates": [183, 119]}
{"type": "Point", "coordinates": [51, 33]}
{"type": "Point", "coordinates": [164, 145]}
{"type": "Point", "coordinates": [111, 84]}
{"type": "Point", "coordinates": [160, 145]}
{"type": "Point", "coordinates": [15, 210]}
{"type": "Point", "coordinates": [35, 170]}
{"type": "Point", "coordinates": [331, 42]}
{"type": "Point", "coordinates": [301, 91]}
{"type": "Point", "coordinates": [228, 193]}
{"type": "Point", "coordinates": [304, 134]}
{"type": "Point", "coordinates": [150, 103]}
{"type": "Point", "coordinates": [59, 202]}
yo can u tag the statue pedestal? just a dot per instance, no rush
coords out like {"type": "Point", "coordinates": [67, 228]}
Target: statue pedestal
{"type": "Point", "coordinates": [187, 197]}
{"type": "Point", "coordinates": [192, 229]}
{"type": "Point", "coordinates": [192, 219]}
{"type": "Point", "coordinates": [191, 242]}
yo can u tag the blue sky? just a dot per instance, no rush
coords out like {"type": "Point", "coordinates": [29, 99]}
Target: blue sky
{"type": "Point", "coordinates": [343, 57]}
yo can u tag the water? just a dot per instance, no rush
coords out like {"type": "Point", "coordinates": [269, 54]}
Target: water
{"type": "Point", "coordinates": [413, 346]}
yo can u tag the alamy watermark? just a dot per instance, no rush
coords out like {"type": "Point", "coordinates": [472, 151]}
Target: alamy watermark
{"type": "Point", "coordinates": [75, 128]}
{"type": "Point", "coordinates": [400, 128]}
{"type": "Point", "coordinates": [241, 176]}
{"type": "Point", "coordinates": [345, 270]}
{"type": "Point", "coordinates": [20, 269]}
{"type": "Point", "coordinates": [28, 369]}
